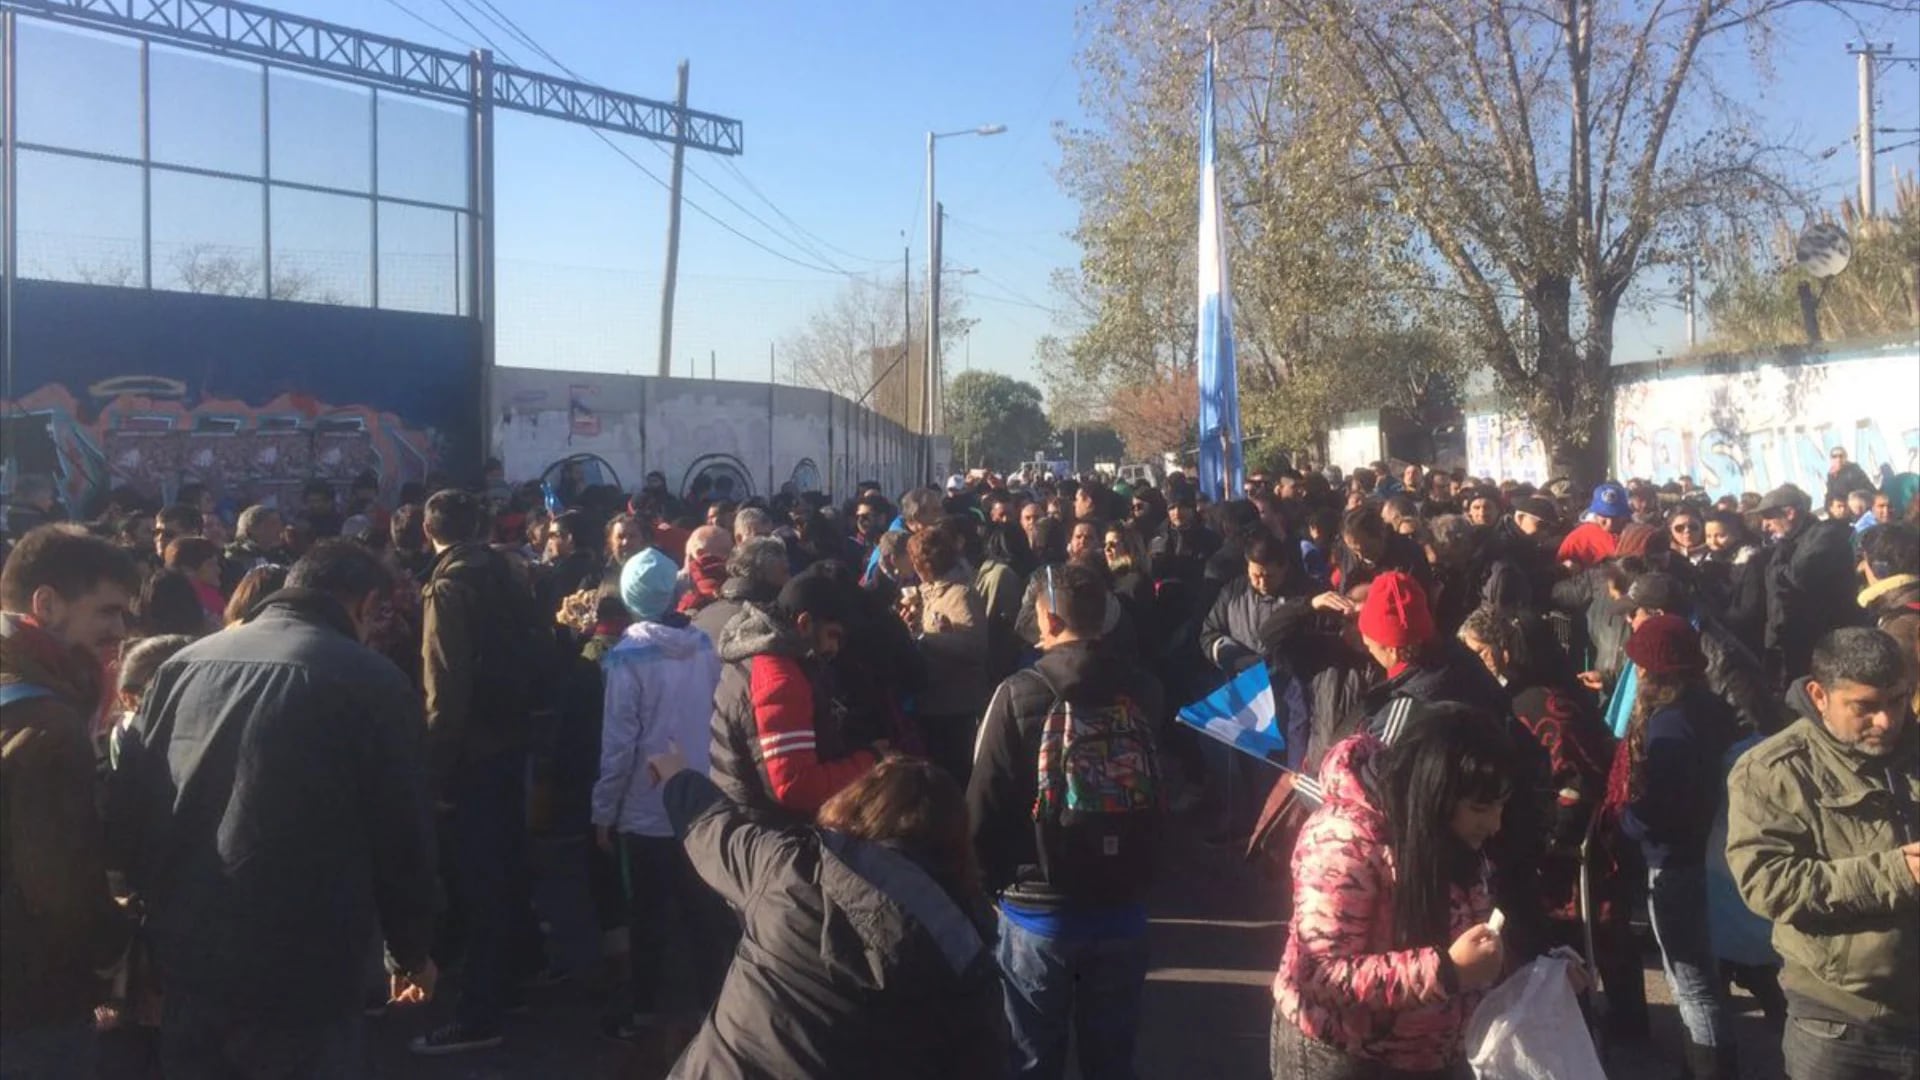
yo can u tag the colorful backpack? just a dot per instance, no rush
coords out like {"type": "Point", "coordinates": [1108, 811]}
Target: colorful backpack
{"type": "Point", "coordinates": [1099, 799]}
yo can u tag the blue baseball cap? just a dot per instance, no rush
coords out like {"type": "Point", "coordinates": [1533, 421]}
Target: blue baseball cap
{"type": "Point", "coordinates": [1610, 501]}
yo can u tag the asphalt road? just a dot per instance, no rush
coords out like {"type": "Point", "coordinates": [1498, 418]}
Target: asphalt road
{"type": "Point", "coordinates": [1207, 1012]}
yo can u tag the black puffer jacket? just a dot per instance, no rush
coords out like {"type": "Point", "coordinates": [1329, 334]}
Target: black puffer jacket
{"type": "Point", "coordinates": [1532, 556]}
{"type": "Point", "coordinates": [855, 962]}
{"type": "Point", "coordinates": [1334, 676]}
{"type": "Point", "coordinates": [1446, 672]}
{"type": "Point", "coordinates": [1810, 591]}
{"type": "Point", "coordinates": [1449, 673]}
{"type": "Point", "coordinates": [735, 593]}
{"type": "Point", "coordinates": [271, 803]}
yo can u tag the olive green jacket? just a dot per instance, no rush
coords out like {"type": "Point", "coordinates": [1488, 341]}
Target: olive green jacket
{"type": "Point", "coordinates": [1814, 830]}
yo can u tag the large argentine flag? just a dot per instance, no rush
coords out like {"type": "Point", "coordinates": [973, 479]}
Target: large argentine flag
{"type": "Point", "coordinates": [1221, 469]}
{"type": "Point", "coordinates": [1243, 715]}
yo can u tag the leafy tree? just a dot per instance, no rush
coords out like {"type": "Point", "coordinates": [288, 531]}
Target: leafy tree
{"type": "Point", "coordinates": [1157, 416]}
{"type": "Point", "coordinates": [1753, 296]}
{"type": "Point", "coordinates": [996, 422]}
{"type": "Point", "coordinates": [1549, 153]}
{"type": "Point", "coordinates": [1497, 173]}
{"type": "Point", "coordinates": [1316, 259]}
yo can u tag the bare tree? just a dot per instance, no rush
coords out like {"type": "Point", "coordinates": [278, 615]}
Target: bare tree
{"type": "Point", "coordinates": [212, 270]}
{"type": "Point", "coordinates": [855, 339]}
{"type": "Point", "coordinates": [1549, 152]}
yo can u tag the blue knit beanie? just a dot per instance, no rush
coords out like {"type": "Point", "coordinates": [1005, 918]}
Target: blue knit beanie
{"type": "Point", "coordinates": [646, 584]}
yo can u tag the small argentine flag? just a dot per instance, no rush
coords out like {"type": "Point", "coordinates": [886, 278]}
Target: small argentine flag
{"type": "Point", "coordinates": [1243, 715]}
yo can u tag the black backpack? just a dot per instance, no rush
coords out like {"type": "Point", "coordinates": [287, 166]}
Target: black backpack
{"type": "Point", "coordinates": [1099, 800]}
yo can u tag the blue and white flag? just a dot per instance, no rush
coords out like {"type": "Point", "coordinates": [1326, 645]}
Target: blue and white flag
{"type": "Point", "coordinates": [1242, 714]}
{"type": "Point", "coordinates": [1221, 468]}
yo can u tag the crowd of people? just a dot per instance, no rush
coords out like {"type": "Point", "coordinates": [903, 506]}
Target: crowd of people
{"type": "Point", "coordinates": [878, 788]}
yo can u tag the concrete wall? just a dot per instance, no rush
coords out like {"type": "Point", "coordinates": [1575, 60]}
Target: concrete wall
{"type": "Point", "coordinates": [1354, 442]}
{"type": "Point", "coordinates": [1738, 424]}
{"type": "Point", "coordinates": [728, 437]}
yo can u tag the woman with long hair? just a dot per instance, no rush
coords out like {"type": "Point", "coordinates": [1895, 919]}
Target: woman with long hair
{"type": "Point", "coordinates": [168, 604]}
{"type": "Point", "coordinates": [1004, 561]}
{"type": "Point", "coordinates": [1126, 555]}
{"type": "Point", "coordinates": [1687, 530]}
{"type": "Point", "coordinates": [869, 932]}
{"type": "Point", "coordinates": [1732, 578]}
{"type": "Point", "coordinates": [1389, 948]}
{"type": "Point", "coordinates": [1667, 784]}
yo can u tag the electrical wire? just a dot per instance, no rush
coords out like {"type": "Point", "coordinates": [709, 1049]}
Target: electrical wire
{"type": "Point", "coordinates": [727, 164]}
{"type": "Point", "coordinates": [615, 147]}
{"type": "Point", "coordinates": [486, 9]}
{"type": "Point", "coordinates": [424, 21]}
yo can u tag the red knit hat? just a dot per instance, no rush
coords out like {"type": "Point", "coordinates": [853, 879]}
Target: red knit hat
{"type": "Point", "coordinates": [1666, 645]}
{"type": "Point", "coordinates": [1395, 613]}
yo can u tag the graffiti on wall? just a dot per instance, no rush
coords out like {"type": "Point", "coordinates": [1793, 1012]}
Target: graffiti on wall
{"type": "Point", "coordinates": [1734, 432]}
{"type": "Point", "coordinates": [1739, 431]}
{"type": "Point", "coordinates": [152, 434]}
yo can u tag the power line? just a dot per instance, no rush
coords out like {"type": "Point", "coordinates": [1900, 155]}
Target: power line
{"type": "Point", "coordinates": [506, 24]}
{"type": "Point", "coordinates": [602, 136]}
{"type": "Point", "coordinates": [742, 177]}
{"type": "Point", "coordinates": [424, 21]}
{"type": "Point", "coordinates": [709, 215]}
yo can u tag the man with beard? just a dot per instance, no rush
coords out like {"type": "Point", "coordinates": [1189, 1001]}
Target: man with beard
{"type": "Point", "coordinates": [63, 611]}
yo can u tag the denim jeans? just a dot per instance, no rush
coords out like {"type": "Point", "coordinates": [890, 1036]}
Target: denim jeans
{"type": "Point", "coordinates": [1090, 987]}
{"type": "Point", "coordinates": [48, 1053]}
{"type": "Point", "coordinates": [1823, 1050]}
{"type": "Point", "coordinates": [488, 856]}
{"type": "Point", "coordinates": [202, 1041]}
{"type": "Point", "coordinates": [1677, 907]}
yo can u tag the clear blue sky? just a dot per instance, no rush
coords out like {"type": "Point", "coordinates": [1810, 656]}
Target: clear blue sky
{"type": "Point", "coordinates": [836, 99]}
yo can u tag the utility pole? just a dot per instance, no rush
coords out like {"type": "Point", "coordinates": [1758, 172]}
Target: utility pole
{"type": "Point", "coordinates": [937, 395]}
{"type": "Point", "coordinates": [1693, 338]}
{"type": "Point", "coordinates": [673, 224]}
{"type": "Point", "coordinates": [772, 372]}
{"type": "Point", "coordinates": [932, 329]}
{"type": "Point", "coordinates": [713, 365]}
{"type": "Point", "coordinates": [1868, 57]}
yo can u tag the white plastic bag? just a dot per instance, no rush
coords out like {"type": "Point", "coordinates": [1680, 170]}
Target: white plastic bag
{"type": "Point", "coordinates": [1530, 1028]}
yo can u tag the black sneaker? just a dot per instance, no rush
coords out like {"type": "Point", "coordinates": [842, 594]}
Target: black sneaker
{"type": "Point", "coordinates": [455, 1038]}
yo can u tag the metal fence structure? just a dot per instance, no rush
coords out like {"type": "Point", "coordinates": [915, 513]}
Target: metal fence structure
{"type": "Point", "coordinates": [218, 148]}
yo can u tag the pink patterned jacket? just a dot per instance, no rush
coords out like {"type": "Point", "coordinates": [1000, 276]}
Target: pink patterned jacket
{"type": "Point", "coordinates": [1341, 979]}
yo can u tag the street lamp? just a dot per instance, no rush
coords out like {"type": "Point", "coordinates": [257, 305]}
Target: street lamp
{"type": "Point", "coordinates": [931, 397]}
